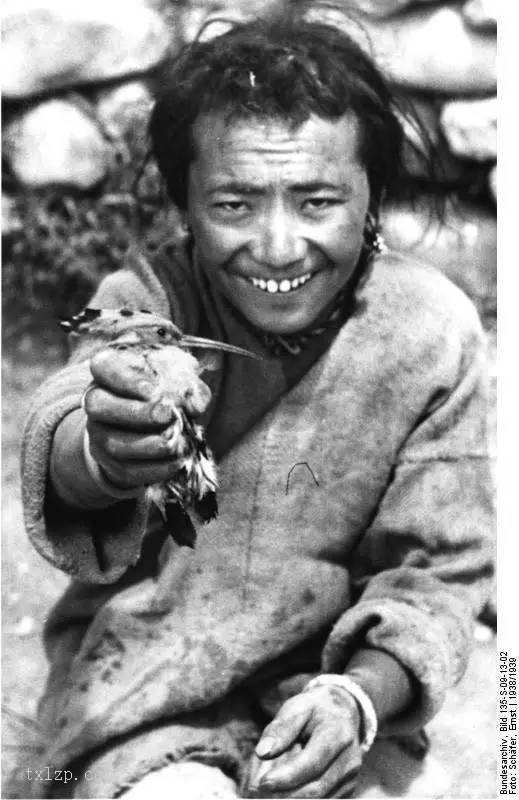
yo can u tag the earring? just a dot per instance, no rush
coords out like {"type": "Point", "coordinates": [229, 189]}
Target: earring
{"type": "Point", "coordinates": [373, 239]}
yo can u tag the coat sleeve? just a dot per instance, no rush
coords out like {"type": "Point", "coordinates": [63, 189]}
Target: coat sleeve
{"type": "Point", "coordinates": [423, 569]}
{"type": "Point", "coordinates": [94, 546]}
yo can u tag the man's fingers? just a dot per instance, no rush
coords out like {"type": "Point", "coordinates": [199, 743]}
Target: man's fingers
{"type": "Point", "coordinates": [259, 767]}
{"type": "Point", "coordinates": [124, 445]}
{"type": "Point", "coordinates": [124, 372]}
{"type": "Point", "coordinates": [105, 407]}
{"type": "Point", "coordinates": [285, 728]}
{"type": "Point", "coordinates": [138, 473]}
{"type": "Point", "coordinates": [321, 750]}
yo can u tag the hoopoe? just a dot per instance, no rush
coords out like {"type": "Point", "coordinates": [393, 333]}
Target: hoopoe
{"type": "Point", "coordinates": [162, 352]}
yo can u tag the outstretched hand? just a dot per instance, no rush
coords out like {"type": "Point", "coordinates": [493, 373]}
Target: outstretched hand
{"type": "Point", "coordinates": [130, 411]}
{"type": "Point", "coordinates": [310, 749]}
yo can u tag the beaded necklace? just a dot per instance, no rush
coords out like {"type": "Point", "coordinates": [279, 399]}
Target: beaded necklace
{"type": "Point", "coordinates": [292, 344]}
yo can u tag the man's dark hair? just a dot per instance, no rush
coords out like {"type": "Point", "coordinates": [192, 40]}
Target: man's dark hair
{"type": "Point", "coordinates": [282, 67]}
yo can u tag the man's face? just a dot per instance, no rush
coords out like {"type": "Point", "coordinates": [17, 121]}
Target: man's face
{"type": "Point", "coordinates": [277, 215]}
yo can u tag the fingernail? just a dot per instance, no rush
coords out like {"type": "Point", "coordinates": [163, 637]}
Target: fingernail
{"type": "Point", "coordinates": [265, 746]}
{"type": "Point", "coordinates": [161, 413]}
{"type": "Point", "coordinates": [145, 388]}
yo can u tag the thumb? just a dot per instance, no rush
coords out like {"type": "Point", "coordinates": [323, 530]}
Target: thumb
{"type": "Point", "coordinates": [124, 373]}
{"type": "Point", "coordinates": [284, 729]}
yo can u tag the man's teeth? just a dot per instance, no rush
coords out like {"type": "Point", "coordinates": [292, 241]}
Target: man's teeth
{"type": "Point", "coordinates": [283, 286]}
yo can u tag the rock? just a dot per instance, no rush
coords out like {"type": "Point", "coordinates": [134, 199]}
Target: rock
{"type": "Point", "coordinates": [470, 127]}
{"type": "Point", "coordinates": [51, 44]}
{"type": "Point", "coordinates": [417, 147]}
{"type": "Point", "coordinates": [384, 8]}
{"type": "Point", "coordinates": [55, 142]}
{"type": "Point", "coordinates": [425, 48]}
{"type": "Point", "coordinates": [198, 13]}
{"type": "Point", "coordinates": [123, 107]}
{"type": "Point", "coordinates": [411, 53]}
{"type": "Point", "coordinates": [481, 14]}
{"type": "Point", "coordinates": [463, 248]}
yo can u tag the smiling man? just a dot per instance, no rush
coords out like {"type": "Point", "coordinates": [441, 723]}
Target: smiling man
{"type": "Point", "coordinates": [333, 597]}
{"type": "Point", "coordinates": [277, 214]}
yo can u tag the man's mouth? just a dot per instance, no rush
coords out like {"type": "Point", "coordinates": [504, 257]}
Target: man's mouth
{"type": "Point", "coordinates": [284, 286]}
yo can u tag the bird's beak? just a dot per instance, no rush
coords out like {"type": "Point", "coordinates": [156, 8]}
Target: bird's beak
{"type": "Point", "coordinates": [209, 344]}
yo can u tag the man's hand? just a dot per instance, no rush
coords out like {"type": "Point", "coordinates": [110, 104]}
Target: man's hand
{"type": "Point", "coordinates": [130, 410]}
{"type": "Point", "coordinates": [310, 749]}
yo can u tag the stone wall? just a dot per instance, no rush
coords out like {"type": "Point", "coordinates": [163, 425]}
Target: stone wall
{"type": "Point", "coordinates": [75, 80]}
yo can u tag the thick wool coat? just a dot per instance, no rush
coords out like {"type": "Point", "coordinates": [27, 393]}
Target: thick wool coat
{"type": "Point", "coordinates": [390, 548]}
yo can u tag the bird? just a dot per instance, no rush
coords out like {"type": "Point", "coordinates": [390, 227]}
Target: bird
{"type": "Point", "coordinates": [158, 349]}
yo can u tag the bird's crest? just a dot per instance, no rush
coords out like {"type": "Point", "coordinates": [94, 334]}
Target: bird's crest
{"type": "Point", "coordinates": [111, 324]}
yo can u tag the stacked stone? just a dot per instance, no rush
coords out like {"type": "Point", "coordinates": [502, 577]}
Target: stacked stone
{"type": "Point", "coordinates": [75, 83]}
{"type": "Point", "coordinates": [441, 60]}
{"type": "Point", "coordinates": [76, 80]}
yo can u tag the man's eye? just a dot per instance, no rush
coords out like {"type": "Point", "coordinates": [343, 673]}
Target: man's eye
{"type": "Point", "coordinates": [320, 203]}
{"type": "Point", "coordinates": [232, 205]}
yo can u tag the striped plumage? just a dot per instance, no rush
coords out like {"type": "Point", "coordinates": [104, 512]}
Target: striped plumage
{"type": "Point", "coordinates": [159, 350]}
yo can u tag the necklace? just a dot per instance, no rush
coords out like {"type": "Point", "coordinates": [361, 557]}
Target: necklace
{"type": "Point", "coordinates": [292, 344]}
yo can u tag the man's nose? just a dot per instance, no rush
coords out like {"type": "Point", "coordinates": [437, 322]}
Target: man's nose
{"type": "Point", "coordinates": [280, 241]}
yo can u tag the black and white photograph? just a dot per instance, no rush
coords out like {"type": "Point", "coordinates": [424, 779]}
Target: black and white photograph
{"type": "Point", "coordinates": [249, 425]}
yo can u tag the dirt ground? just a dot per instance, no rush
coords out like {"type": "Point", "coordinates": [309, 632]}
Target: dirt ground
{"type": "Point", "coordinates": [464, 735]}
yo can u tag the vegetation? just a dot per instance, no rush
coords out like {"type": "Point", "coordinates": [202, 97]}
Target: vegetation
{"type": "Point", "coordinates": [64, 241]}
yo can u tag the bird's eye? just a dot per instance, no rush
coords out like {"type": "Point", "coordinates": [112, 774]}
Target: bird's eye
{"type": "Point", "coordinates": [162, 332]}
